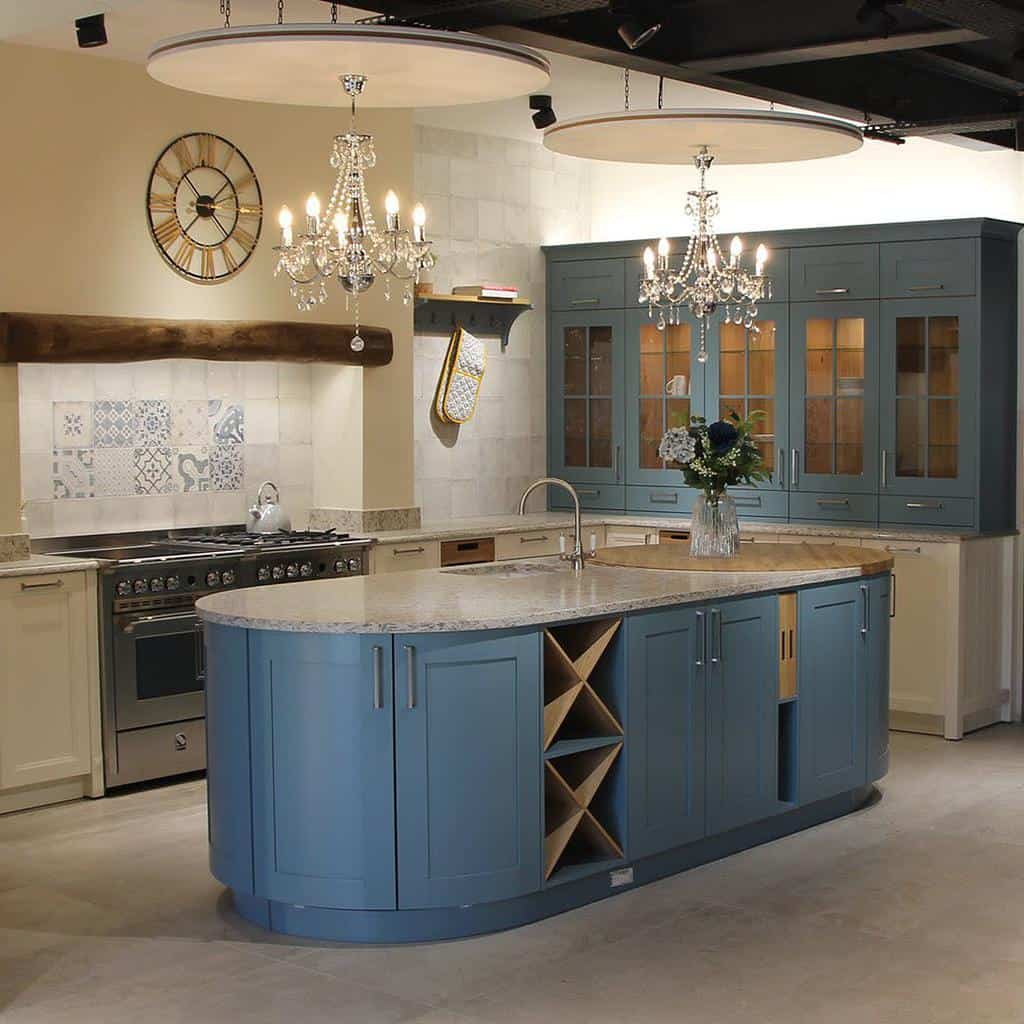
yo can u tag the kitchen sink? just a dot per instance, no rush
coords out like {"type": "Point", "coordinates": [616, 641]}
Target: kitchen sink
{"type": "Point", "coordinates": [515, 570]}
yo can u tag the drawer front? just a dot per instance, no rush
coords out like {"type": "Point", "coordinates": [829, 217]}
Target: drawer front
{"type": "Point", "coordinates": [599, 496]}
{"type": "Point", "coordinates": [471, 551]}
{"type": "Point", "coordinates": [424, 554]}
{"type": "Point", "coordinates": [528, 545]}
{"type": "Point", "coordinates": [757, 503]}
{"type": "Point", "coordinates": [667, 500]}
{"type": "Point", "coordinates": [844, 508]}
{"type": "Point", "coordinates": [811, 538]}
{"type": "Point", "coordinates": [926, 511]}
{"type": "Point", "coordinates": [160, 751]}
{"type": "Point", "coordinates": [588, 284]}
{"type": "Point", "coordinates": [833, 272]}
{"type": "Point", "coordinates": [627, 536]}
{"type": "Point", "coordinates": [917, 270]}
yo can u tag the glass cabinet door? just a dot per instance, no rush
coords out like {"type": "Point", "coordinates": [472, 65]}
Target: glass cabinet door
{"type": "Point", "coordinates": [665, 385]}
{"type": "Point", "coordinates": [834, 386]}
{"type": "Point", "coordinates": [749, 372]}
{"type": "Point", "coordinates": [586, 411]}
{"type": "Point", "coordinates": [930, 377]}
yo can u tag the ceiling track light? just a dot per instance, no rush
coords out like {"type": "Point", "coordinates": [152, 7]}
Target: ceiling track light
{"type": "Point", "coordinates": [544, 116]}
{"type": "Point", "coordinates": [637, 25]}
{"type": "Point", "coordinates": [91, 31]}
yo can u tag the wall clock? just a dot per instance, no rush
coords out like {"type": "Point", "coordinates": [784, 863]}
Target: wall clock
{"type": "Point", "coordinates": [205, 207]}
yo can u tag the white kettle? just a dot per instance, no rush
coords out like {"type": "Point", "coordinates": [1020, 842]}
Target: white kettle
{"type": "Point", "coordinates": [266, 515]}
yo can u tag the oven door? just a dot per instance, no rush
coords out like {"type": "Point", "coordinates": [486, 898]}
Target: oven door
{"type": "Point", "coordinates": [159, 668]}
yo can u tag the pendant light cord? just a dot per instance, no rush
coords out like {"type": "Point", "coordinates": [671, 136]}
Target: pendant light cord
{"type": "Point", "coordinates": [625, 80]}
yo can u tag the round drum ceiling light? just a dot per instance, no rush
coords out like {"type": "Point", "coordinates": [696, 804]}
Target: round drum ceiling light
{"type": "Point", "coordinates": [301, 64]}
{"type": "Point", "coordinates": [677, 136]}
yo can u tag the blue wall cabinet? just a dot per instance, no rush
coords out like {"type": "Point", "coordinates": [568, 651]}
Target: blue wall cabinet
{"type": "Point", "coordinates": [930, 367]}
{"type": "Point", "coordinates": [665, 740]}
{"type": "Point", "coordinates": [833, 273]}
{"type": "Point", "coordinates": [587, 423]}
{"type": "Point", "coordinates": [741, 655]}
{"type": "Point", "coordinates": [833, 656]}
{"type": "Point", "coordinates": [881, 599]}
{"type": "Point", "coordinates": [935, 268]}
{"type": "Point", "coordinates": [588, 284]}
{"type": "Point", "coordinates": [468, 771]}
{"type": "Point", "coordinates": [833, 415]}
{"type": "Point", "coordinates": [323, 757]}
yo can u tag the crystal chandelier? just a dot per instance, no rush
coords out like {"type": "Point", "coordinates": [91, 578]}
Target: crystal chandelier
{"type": "Point", "coordinates": [706, 280]}
{"type": "Point", "coordinates": [343, 241]}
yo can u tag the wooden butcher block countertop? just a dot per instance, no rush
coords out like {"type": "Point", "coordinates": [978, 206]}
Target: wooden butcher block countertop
{"type": "Point", "coordinates": [752, 558]}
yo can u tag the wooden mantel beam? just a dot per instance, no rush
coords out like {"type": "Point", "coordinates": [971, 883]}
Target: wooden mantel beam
{"type": "Point", "coordinates": [52, 338]}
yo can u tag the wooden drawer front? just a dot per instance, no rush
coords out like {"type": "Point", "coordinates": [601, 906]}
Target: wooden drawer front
{"type": "Point", "coordinates": [471, 551]}
{"type": "Point", "coordinates": [787, 646]}
{"type": "Point", "coordinates": [752, 503]}
{"type": "Point", "coordinates": [422, 554]}
{"type": "Point", "coordinates": [588, 284]}
{"type": "Point", "coordinates": [600, 496]}
{"type": "Point", "coordinates": [850, 508]}
{"type": "Point", "coordinates": [673, 536]}
{"type": "Point", "coordinates": [530, 545]}
{"type": "Point", "coordinates": [926, 511]}
{"type": "Point", "coordinates": [670, 500]}
{"type": "Point", "coordinates": [834, 272]}
{"type": "Point", "coordinates": [921, 269]}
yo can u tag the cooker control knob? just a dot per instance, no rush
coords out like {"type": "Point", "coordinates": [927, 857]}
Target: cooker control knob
{"type": "Point", "coordinates": [306, 570]}
{"type": "Point", "coordinates": [355, 565]}
{"type": "Point", "coordinates": [212, 578]}
{"type": "Point", "coordinates": [156, 585]}
{"type": "Point", "coordinates": [263, 573]}
{"type": "Point", "coordinates": [228, 577]}
{"type": "Point", "coordinates": [173, 583]}
{"type": "Point", "coordinates": [124, 588]}
{"type": "Point", "coordinates": [340, 566]}
{"type": "Point", "coordinates": [278, 572]}
{"type": "Point", "coordinates": [140, 586]}
{"type": "Point", "coordinates": [292, 571]}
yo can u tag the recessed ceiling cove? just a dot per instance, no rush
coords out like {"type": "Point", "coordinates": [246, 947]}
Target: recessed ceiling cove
{"type": "Point", "coordinates": [302, 64]}
{"type": "Point", "coordinates": [676, 136]}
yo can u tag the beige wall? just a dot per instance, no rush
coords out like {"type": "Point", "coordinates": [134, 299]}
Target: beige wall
{"type": "Point", "coordinates": [82, 134]}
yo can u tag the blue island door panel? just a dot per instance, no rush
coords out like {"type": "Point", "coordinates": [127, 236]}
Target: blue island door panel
{"type": "Point", "coordinates": [743, 687]}
{"type": "Point", "coordinates": [878, 678]}
{"type": "Point", "coordinates": [468, 767]}
{"type": "Point", "coordinates": [832, 656]}
{"type": "Point", "coordinates": [666, 730]}
{"type": "Point", "coordinates": [323, 756]}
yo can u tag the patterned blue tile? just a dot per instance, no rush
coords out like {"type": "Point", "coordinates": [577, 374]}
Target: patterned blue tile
{"type": "Point", "coordinates": [73, 473]}
{"type": "Point", "coordinates": [153, 470]}
{"type": "Point", "coordinates": [112, 424]}
{"type": "Point", "coordinates": [72, 424]}
{"type": "Point", "coordinates": [227, 422]}
{"type": "Point", "coordinates": [191, 469]}
{"type": "Point", "coordinates": [114, 472]}
{"type": "Point", "coordinates": [227, 467]}
{"type": "Point", "coordinates": [190, 423]}
{"type": "Point", "coordinates": [151, 422]}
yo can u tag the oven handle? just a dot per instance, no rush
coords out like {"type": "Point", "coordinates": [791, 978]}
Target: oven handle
{"type": "Point", "coordinates": [129, 627]}
{"type": "Point", "coordinates": [200, 652]}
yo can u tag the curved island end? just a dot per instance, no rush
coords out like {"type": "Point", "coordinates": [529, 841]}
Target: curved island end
{"type": "Point", "coordinates": [441, 753]}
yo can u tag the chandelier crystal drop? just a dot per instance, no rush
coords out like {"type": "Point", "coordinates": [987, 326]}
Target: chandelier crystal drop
{"type": "Point", "coordinates": [706, 279]}
{"type": "Point", "coordinates": [342, 240]}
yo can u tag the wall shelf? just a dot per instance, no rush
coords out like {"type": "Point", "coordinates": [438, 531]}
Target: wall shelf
{"type": "Point", "coordinates": [443, 313]}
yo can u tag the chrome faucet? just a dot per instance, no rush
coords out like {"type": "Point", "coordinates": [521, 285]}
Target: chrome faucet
{"type": "Point", "coordinates": [577, 557]}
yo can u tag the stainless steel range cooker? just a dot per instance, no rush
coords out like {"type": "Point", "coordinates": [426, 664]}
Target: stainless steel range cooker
{"type": "Point", "coordinates": [152, 651]}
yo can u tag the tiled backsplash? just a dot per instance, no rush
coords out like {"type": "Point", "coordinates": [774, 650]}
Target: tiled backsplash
{"type": "Point", "coordinates": [161, 444]}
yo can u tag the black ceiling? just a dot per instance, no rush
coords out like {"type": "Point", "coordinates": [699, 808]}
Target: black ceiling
{"type": "Point", "coordinates": [912, 66]}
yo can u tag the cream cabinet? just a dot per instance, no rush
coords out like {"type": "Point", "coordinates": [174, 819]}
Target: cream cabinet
{"type": "Point", "coordinates": [405, 556]}
{"type": "Point", "coordinates": [551, 541]}
{"type": "Point", "coordinates": [621, 536]}
{"type": "Point", "coordinates": [49, 689]}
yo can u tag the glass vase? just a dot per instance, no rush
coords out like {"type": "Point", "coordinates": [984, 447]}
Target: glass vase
{"type": "Point", "coordinates": [714, 529]}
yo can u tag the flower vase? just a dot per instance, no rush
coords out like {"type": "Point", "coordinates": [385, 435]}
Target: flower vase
{"type": "Point", "coordinates": [714, 529]}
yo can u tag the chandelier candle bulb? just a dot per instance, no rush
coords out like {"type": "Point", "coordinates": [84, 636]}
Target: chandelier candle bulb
{"type": "Point", "coordinates": [663, 254]}
{"type": "Point", "coordinates": [284, 218]}
{"type": "Point", "coordinates": [762, 259]}
{"type": "Point", "coordinates": [419, 220]}
{"type": "Point", "coordinates": [312, 214]}
{"type": "Point", "coordinates": [649, 263]}
{"type": "Point", "coordinates": [341, 227]}
{"type": "Point", "coordinates": [735, 250]}
{"type": "Point", "coordinates": [391, 210]}
{"type": "Point", "coordinates": [712, 258]}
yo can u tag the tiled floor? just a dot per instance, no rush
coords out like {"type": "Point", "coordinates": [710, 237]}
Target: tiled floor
{"type": "Point", "coordinates": [909, 911]}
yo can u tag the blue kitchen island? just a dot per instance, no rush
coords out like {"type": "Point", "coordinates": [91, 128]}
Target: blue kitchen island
{"type": "Point", "coordinates": [434, 754]}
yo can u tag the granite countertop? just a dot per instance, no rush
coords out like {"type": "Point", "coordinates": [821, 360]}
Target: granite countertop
{"type": "Point", "coordinates": [504, 596]}
{"type": "Point", "coordinates": [486, 526]}
{"type": "Point", "coordinates": [36, 565]}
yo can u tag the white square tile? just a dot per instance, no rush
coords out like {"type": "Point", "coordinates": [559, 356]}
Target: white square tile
{"type": "Point", "coordinates": [431, 174]}
{"type": "Point", "coordinates": [35, 425]}
{"type": "Point", "coordinates": [294, 380]}
{"type": "Point", "coordinates": [262, 421]}
{"type": "Point", "coordinates": [296, 465]}
{"type": "Point", "coordinates": [223, 380]}
{"type": "Point", "coordinates": [438, 215]}
{"type": "Point", "coordinates": [115, 381]}
{"type": "Point", "coordinates": [517, 152]}
{"type": "Point", "coordinates": [465, 179]}
{"type": "Point", "coordinates": [228, 508]}
{"type": "Point", "coordinates": [190, 421]}
{"type": "Point", "coordinates": [36, 476]}
{"type": "Point", "coordinates": [262, 462]}
{"type": "Point", "coordinates": [463, 218]}
{"type": "Point", "coordinates": [35, 381]}
{"type": "Point", "coordinates": [259, 380]}
{"type": "Point", "coordinates": [72, 424]}
{"type": "Point", "coordinates": [152, 379]}
{"type": "Point", "coordinates": [74, 518]}
{"type": "Point", "coordinates": [74, 382]}
{"type": "Point", "coordinates": [188, 379]}
{"type": "Point", "coordinates": [40, 518]}
{"type": "Point", "coordinates": [294, 421]}
{"type": "Point", "coordinates": [191, 509]}
{"type": "Point", "coordinates": [490, 221]}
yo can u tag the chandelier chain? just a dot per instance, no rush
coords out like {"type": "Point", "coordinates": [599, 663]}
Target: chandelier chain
{"type": "Point", "coordinates": [225, 9]}
{"type": "Point", "coordinates": [334, 14]}
{"type": "Point", "coordinates": [280, 12]}
{"type": "Point", "coordinates": [625, 80]}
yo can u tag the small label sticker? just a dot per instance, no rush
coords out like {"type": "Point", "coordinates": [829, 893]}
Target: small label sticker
{"type": "Point", "coordinates": [623, 876]}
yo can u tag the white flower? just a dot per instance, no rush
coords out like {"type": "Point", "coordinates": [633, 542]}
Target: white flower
{"type": "Point", "coordinates": [677, 446]}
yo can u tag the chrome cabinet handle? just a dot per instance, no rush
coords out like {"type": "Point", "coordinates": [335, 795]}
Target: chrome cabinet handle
{"type": "Point", "coordinates": [892, 593]}
{"type": "Point", "coordinates": [832, 291]}
{"type": "Point", "coordinates": [782, 467]}
{"type": "Point", "coordinates": [925, 287]}
{"type": "Point", "coordinates": [584, 302]}
{"type": "Point", "coordinates": [378, 678]}
{"type": "Point", "coordinates": [200, 650]}
{"type": "Point", "coordinates": [865, 611]}
{"type": "Point", "coordinates": [589, 493]}
{"type": "Point", "coordinates": [618, 461]}
{"type": "Point", "coordinates": [716, 636]}
{"type": "Point", "coordinates": [147, 619]}
{"type": "Point", "coordinates": [833, 502]}
{"type": "Point", "coordinates": [794, 467]}
{"type": "Point", "coordinates": [753, 501]}
{"type": "Point", "coordinates": [891, 548]}
{"type": "Point", "coordinates": [885, 467]}
{"type": "Point", "coordinates": [701, 641]}
{"type": "Point", "coordinates": [663, 499]}
{"type": "Point", "coordinates": [934, 505]}
{"type": "Point", "coordinates": [410, 677]}
{"type": "Point", "coordinates": [42, 586]}
{"type": "Point", "coordinates": [533, 540]}
{"type": "Point", "coordinates": [407, 551]}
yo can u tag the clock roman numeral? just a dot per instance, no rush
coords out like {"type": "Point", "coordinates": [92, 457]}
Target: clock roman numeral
{"type": "Point", "coordinates": [229, 261]}
{"type": "Point", "coordinates": [207, 150]}
{"type": "Point", "coordinates": [167, 231]}
{"type": "Point", "coordinates": [244, 238]}
{"type": "Point", "coordinates": [184, 253]}
{"type": "Point", "coordinates": [160, 203]}
{"type": "Point", "coordinates": [244, 181]}
{"type": "Point", "coordinates": [184, 155]}
{"type": "Point", "coordinates": [169, 176]}
{"type": "Point", "coordinates": [208, 268]}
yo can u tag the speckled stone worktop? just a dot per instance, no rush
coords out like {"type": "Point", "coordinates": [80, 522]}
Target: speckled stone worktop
{"type": "Point", "coordinates": [487, 526]}
{"type": "Point", "coordinates": [37, 565]}
{"type": "Point", "coordinates": [497, 596]}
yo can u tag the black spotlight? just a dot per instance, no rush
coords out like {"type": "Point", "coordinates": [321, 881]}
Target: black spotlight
{"type": "Point", "coordinates": [545, 115]}
{"type": "Point", "coordinates": [875, 16]}
{"type": "Point", "coordinates": [91, 31]}
{"type": "Point", "coordinates": [637, 25]}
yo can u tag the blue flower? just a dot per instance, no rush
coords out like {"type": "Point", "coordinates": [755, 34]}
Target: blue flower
{"type": "Point", "coordinates": [722, 436]}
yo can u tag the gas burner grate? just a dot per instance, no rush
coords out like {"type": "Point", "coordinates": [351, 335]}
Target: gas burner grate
{"type": "Point", "coordinates": [281, 539]}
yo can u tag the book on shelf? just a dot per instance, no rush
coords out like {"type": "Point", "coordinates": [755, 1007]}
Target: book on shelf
{"type": "Point", "coordinates": [487, 291]}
